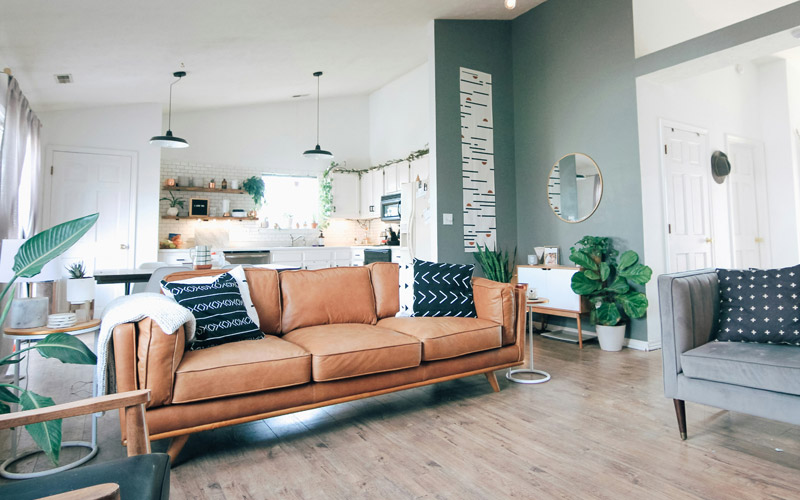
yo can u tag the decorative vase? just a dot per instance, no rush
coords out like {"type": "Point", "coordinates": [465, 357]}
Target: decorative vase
{"type": "Point", "coordinates": [80, 290]}
{"type": "Point", "coordinates": [172, 211]}
{"type": "Point", "coordinates": [611, 337]}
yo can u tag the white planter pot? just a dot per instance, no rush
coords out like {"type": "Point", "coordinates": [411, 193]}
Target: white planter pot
{"type": "Point", "coordinates": [80, 290]}
{"type": "Point", "coordinates": [611, 337]}
{"type": "Point", "coordinates": [172, 211]}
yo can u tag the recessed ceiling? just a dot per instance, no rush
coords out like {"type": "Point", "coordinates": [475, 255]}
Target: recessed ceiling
{"type": "Point", "coordinates": [235, 52]}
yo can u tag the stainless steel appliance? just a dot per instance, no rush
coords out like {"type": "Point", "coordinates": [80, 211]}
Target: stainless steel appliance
{"type": "Point", "coordinates": [390, 207]}
{"type": "Point", "coordinates": [253, 257]}
{"type": "Point", "coordinates": [377, 255]}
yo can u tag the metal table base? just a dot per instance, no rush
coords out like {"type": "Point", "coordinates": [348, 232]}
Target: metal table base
{"type": "Point", "coordinates": [513, 375]}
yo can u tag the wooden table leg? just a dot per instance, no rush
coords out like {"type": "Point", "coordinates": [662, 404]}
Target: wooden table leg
{"type": "Point", "coordinates": [580, 332]}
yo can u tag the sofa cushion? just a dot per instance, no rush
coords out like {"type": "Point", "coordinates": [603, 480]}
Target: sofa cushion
{"type": "Point", "coordinates": [219, 309]}
{"type": "Point", "coordinates": [240, 368]}
{"type": "Point", "coordinates": [759, 305]}
{"type": "Point", "coordinates": [443, 289]}
{"type": "Point", "coordinates": [327, 296]}
{"type": "Point", "coordinates": [385, 277]}
{"type": "Point", "coordinates": [762, 366]}
{"type": "Point", "coordinates": [349, 350]}
{"type": "Point", "coordinates": [444, 338]}
{"type": "Point", "coordinates": [264, 288]}
{"type": "Point", "coordinates": [495, 301]}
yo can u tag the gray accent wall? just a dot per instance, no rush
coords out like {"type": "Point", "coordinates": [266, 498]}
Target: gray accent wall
{"type": "Point", "coordinates": [575, 92]}
{"type": "Point", "coordinates": [483, 46]}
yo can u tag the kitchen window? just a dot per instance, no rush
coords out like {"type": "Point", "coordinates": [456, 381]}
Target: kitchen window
{"type": "Point", "coordinates": [290, 200]}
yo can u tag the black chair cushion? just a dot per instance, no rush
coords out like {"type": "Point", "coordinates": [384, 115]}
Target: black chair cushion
{"type": "Point", "coordinates": [143, 477]}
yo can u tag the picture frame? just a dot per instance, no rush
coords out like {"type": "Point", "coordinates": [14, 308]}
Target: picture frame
{"type": "Point", "coordinates": [198, 207]}
{"type": "Point", "coordinates": [551, 256]}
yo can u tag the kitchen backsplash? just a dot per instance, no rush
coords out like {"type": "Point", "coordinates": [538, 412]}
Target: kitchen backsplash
{"type": "Point", "coordinates": [248, 233]}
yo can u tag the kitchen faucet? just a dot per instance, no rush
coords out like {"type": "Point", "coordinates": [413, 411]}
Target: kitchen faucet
{"type": "Point", "coordinates": [297, 238]}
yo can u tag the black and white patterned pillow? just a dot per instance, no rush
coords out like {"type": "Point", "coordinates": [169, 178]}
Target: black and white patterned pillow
{"type": "Point", "coordinates": [759, 305]}
{"type": "Point", "coordinates": [406, 284]}
{"type": "Point", "coordinates": [219, 310]}
{"type": "Point", "coordinates": [443, 289]}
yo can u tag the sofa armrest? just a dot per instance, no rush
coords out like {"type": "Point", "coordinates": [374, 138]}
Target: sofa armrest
{"type": "Point", "coordinates": [689, 309]}
{"type": "Point", "coordinates": [495, 301]}
{"type": "Point", "coordinates": [147, 358]}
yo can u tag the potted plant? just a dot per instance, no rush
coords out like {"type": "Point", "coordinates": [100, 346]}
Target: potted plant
{"type": "Point", "coordinates": [174, 203]}
{"type": "Point", "coordinates": [495, 264]}
{"type": "Point", "coordinates": [80, 289]}
{"type": "Point", "coordinates": [606, 283]}
{"type": "Point", "coordinates": [255, 188]}
{"type": "Point", "coordinates": [28, 262]}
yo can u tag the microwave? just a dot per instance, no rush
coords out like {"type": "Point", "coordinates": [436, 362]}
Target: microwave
{"type": "Point", "coordinates": [390, 207]}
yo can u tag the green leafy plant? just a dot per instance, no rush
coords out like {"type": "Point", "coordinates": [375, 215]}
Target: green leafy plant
{"type": "Point", "coordinates": [495, 264]}
{"type": "Point", "coordinates": [255, 188]}
{"type": "Point", "coordinates": [76, 270]}
{"type": "Point", "coordinates": [604, 281]}
{"type": "Point", "coordinates": [29, 261]}
{"type": "Point", "coordinates": [326, 196]}
{"type": "Point", "coordinates": [173, 201]}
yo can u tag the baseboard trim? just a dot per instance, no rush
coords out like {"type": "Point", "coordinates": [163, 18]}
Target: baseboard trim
{"type": "Point", "coordinates": [639, 345]}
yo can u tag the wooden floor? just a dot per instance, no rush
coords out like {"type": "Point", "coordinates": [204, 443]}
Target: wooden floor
{"type": "Point", "coordinates": [601, 428]}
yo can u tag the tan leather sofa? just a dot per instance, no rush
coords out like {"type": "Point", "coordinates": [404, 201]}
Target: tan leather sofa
{"type": "Point", "coordinates": [332, 336]}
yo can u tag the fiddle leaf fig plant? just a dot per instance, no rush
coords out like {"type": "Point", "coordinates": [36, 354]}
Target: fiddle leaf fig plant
{"type": "Point", "coordinates": [606, 281]}
{"type": "Point", "coordinates": [28, 262]}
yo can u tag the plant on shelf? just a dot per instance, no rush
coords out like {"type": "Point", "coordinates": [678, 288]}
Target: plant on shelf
{"type": "Point", "coordinates": [174, 203]}
{"type": "Point", "coordinates": [607, 284]}
{"type": "Point", "coordinates": [255, 188]}
{"type": "Point", "coordinates": [28, 262]}
{"type": "Point", "coordinates": [495, 264]}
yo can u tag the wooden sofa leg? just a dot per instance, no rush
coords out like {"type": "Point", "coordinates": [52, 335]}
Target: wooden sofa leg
{"type": "Point", "coordinates": [680, 412]}
{"type": "Point", "coordinates": [175, 447]}
{"type": "Point", "coordinates": [492, 378]}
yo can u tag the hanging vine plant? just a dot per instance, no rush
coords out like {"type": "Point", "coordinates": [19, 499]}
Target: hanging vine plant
{"type": "Point", "coordinates": [326, 196]}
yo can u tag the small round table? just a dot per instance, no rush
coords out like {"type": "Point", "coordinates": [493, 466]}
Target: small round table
{"type": "Point", "coordinates": [28, 336]}
{"type": "Point", "coordinates": [512, 374]}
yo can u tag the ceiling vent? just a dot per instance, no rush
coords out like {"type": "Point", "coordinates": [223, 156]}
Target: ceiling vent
{"type": "Point", "coordinates": [65, 78]}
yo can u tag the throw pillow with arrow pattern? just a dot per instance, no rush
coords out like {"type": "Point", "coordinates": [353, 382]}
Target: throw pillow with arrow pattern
{"type": "Point", "coordinates": [443, 289]}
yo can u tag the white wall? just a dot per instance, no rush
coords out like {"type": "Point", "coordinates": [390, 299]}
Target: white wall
{"type": "Point", "coordinates": [399, 116]}
{"type": "Point", "coordinates": [272, 137]}
{"type": "Point", "coordinates": [658, 24]}
{"type": "Point", "coordinates": [722, 102]}
{"type": "Point", "coordinates": [126, 128]}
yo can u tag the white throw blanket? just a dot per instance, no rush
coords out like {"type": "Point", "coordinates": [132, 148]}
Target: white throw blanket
{"type": "Point", "coordinates": [167, 313]}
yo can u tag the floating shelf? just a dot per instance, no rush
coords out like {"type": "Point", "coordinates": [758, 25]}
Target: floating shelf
{"type": "Point", "coordinates": [203, 190]}
{"type": "Point", "coordinates": [203, 217]}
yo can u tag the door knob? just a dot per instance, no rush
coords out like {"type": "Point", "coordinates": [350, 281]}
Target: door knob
{"type": "Point", "coordinates": [759, 239]}
{"type": "Point", "coordinates": [123, 246]}
{"type": "Point", "coordinates": [708, 240]}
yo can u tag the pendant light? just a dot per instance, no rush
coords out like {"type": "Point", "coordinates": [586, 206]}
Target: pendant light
{"type": "Point", "coordinates": [169, 140]}
{"type": "Point", "coordinates": [318, 153]}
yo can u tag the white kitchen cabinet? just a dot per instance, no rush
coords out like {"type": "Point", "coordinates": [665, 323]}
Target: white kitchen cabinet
{"type": "Point", "coordinates": [175, 257]}
{"type": "Point", "coordinates": [403, 173]}
{"type": "Point", "coordinates": [369, 204]}
{"type": "Point", "coordinates": [377, 190]}
{"type": "Point", "coordinates": [312, 258]}
{"type": "Point", "coordinates": [420, 168]}
{"type": "Point", "coordinates": [390, 179]}
{"type": "Point", "coordinates": [344, 190]}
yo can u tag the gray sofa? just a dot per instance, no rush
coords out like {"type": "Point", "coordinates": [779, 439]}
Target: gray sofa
{"type": "Point", "coordinates": [757, 379]}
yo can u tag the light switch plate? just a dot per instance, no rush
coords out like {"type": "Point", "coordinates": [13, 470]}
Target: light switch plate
{"type": "Point", "coordinates": [447, 219]}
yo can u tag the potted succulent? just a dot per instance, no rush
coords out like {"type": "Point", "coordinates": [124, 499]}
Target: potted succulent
{"type": "Point", "coordinates": [174, 203]}
{"type": "Point", "coordinates": [495, 264]}
{"type": "Point", "coordinates": [28, 262]}
{"type": "Point", "coordinates": [80, 288]}
{"type": "Point", "coordinates": [606, 283]}
{"type": "Point", "coordinates": [255, 188]}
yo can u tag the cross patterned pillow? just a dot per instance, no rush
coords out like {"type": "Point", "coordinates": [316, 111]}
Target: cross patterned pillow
{"type": "Point", "coordinates": [759, 305]}
{"type": "Point", "coordinates": [219, 310]}
{"type": "Point", "coordinates": [443, 289]}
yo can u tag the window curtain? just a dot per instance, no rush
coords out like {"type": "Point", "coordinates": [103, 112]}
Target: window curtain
{"type": "Point", "coordinates": [21, 142]}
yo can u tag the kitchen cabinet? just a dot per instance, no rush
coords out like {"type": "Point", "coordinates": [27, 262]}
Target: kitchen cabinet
{"type": "Point", "coordinates": [345, 193]}
{"type": "Point", "coordinates": [420, 168]}
{"type": "Point", "coordinates": [403, 174]}
{"type": "Point", "coordinates": [311, 258]}
{"type": "Point", "coordinates": [175, 257]}
{"type": "Point", "coordinates": [369, 204]}
{"type": "Point", "coordinates": [390, 179]}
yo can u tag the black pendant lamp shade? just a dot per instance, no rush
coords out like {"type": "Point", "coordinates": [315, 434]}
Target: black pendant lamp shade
{"type": "Point", "coordinates": [168, 140]}
{"type": "Point", "coordinates": [318, 153]}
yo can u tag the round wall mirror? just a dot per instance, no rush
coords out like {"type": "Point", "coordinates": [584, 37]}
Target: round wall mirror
{"type": "Point", "coordinates": [574, 187]}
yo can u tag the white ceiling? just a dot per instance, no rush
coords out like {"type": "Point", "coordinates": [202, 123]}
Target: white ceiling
{"type": "Point", "coordinates": [235, 52]}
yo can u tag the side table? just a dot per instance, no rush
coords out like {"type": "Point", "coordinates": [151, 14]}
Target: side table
{"type": "Point", "coordinates": [511, 374]}
{"type": "Point", "coordinates": [27, 336]}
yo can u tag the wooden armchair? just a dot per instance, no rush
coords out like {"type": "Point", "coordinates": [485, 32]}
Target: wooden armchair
{"type": "Point", "coordinates": [140, 476]}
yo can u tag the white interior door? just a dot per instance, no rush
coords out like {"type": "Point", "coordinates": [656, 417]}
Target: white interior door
{"type": "Point", "coordinates": [686, 181]}
{"type": "Point", "coordinates": [85, 183]}
{"type": "Point", "coordinates": [747, 204]}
